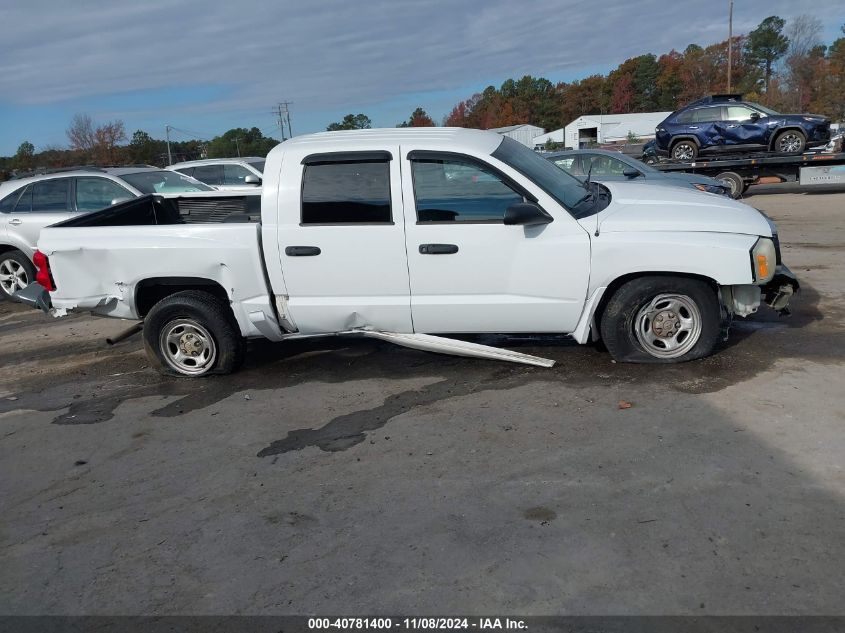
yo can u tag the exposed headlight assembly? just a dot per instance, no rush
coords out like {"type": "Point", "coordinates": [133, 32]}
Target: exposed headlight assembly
{"type": "Point", "coordinates": [763, 260]}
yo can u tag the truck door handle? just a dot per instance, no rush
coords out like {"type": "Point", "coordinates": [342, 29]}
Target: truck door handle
{"type": "Point", "coordinates": [15, 221]}
{"type": "Point", "coordinates": [692, 127]}
{"type": "Point", "coordinates": [302, 251]}
{"type": "Point", "coordinates": [438, 249]}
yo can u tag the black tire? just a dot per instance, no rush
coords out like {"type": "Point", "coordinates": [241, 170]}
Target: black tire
{"type": "Point", "coordinates": [734, 181]}
{"type": "Point", "coordinates": [208, 315]}
{"type": "Point", "coordinates": [621, 315]}
{"type": "Point", "coordinates": [10, 260]}
{"type": "Point", "coordinates": [790, 142]}
{"type": "Point", "coordinates": [684, 150]}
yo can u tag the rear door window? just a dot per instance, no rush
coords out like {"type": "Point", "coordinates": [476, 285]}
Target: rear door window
{"type": "Point", "coordinates": [354, 192]}
{"type": "Point", "coordinates": [707, 115]}
{"type": "Point", "coordinates": [51, 196]}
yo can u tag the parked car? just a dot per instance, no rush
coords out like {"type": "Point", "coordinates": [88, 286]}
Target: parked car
{"type": "Point", "coordinates": [226, 174]}
{"type": "Point", "coordinates": [384, 233]}
{"type": "Point", "coordinates": [724, 123]}
{"type": "Point", "coordinates": [29, 204]}
{"type": "Point", "coordinates": [608, 166]}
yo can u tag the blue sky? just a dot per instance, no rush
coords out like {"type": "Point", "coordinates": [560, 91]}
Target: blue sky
{"type": "Point", "coordinates": [207, 65]}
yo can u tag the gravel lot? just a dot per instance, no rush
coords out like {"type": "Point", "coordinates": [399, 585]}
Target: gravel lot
{"type": "Point", "coordinates": [344, 477]}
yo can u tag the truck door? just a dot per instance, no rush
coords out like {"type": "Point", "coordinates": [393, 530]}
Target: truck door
{"type": "Point", "coordinates": [741, 127]}
{"type": "Point", "coordinates": [342, 241]}
{"type": "Point", "coordinates": [470, 272]}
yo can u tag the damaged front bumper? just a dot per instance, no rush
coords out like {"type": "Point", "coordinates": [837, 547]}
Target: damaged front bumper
{"type": "Point", "coordinates": [778, 292]}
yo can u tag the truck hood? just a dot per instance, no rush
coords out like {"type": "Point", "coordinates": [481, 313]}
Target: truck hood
{"type": "Point", "coordinates": [643, 207]}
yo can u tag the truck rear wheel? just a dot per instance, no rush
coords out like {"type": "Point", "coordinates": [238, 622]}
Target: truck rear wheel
{"type": "Point", "coordinates": [661, 320]}
{"type": "Point", "coordinates": [193, 333]}
{"type": "Point", "coordinates": [734, 182]}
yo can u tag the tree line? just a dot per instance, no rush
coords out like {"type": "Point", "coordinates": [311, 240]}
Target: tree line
{"type": "Point", "coordinates": [781, 65]}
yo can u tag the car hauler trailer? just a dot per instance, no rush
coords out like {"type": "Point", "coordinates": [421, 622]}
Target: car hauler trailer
{"type": "Point", "coordinates": [740, 171]}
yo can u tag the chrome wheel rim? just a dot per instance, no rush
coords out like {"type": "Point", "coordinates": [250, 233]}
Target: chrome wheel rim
{"type": "Point", "coordinates": [789, 142]}
{"type": "Point", "coordinates": [683, 151]}
{"type": "Point", "coordinates": [188, 347]}
{"type": "Point", "coordinates": [668, 326]}
{"type": "Point", "coordinates": [730, 183]}
{"type": "Point", "coordinates": [13, 276]}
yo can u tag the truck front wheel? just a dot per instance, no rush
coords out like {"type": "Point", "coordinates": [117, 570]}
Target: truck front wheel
{"type": "Point", "coordinates": [193, 333]}
{"type": "Point", "coordinates": [661, 320]}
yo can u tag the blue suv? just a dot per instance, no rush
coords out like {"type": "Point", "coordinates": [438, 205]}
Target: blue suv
{"type": "Point", "coordinates": [724, 123]}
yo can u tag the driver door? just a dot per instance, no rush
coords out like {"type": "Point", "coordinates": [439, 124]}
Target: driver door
{"type": "Point", "coordinates": [469, 272]}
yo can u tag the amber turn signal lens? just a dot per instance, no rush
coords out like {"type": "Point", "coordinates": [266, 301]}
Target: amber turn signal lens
{"type": "Point", "coordinates": [762, 266]}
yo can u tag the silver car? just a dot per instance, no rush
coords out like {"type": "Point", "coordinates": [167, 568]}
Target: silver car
{"type": "Point", "coordinates": [27, 205]}
{"type": "Point", "coordinates": [226, 174]}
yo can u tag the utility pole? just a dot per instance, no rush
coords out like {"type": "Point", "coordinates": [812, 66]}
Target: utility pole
{"type": "Point", "coordinates": [282, 113]}
{"type": "Point", "coordinates": [167, 134]}
{"type": "Point", "coordinates": [730, 41]}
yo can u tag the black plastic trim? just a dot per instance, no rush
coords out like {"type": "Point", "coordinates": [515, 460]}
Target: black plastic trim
{"type": "Point", "coordinates": [377, 156]}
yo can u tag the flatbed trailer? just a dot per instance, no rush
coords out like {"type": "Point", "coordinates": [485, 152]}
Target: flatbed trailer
{"type": "Point", "coordinates": [742, 171]}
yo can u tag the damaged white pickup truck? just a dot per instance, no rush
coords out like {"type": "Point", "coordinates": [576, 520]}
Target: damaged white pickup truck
{"type": "Point", "coordinates": [401, 234]}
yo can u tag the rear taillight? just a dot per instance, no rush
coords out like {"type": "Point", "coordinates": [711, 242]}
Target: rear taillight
{"type": "Point", "coordinates": [43, 275]}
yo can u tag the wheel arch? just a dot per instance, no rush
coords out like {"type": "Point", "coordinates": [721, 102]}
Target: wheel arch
{"type": "Point", "coordinates": [785, 128]}
{"type": "Point", "coordinates": [150, 291]}
{"type": "Point", "coordinates": [684, 137]}
{"type": "Point", "coordinates": [620, 281]}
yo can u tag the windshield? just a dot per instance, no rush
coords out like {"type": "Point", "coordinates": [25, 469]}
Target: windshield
{"type": "Point", "coordinates": [163, 181]}
{"type": "Point", "coordinates": [768, 111]}
{"type": "Point", "coordinates": [567, 190]}
{"type": "Point", "coordinates": [258, 164]}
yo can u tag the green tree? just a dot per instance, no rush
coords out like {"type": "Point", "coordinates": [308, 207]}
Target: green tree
{"type": "Point", "coordinates": [352, 122]}
{"type": "Point", "coordinates": [23, 157]}
{"type": "Point", "coordinates": [766, 44]}
{"type": "Point", "coordinates": [240, 141]}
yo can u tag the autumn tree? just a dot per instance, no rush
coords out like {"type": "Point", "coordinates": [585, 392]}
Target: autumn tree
{"type": "Point", "coordinates": [81, 133]}
{"type": "Point", "coordinates": [766, 44]}
{"type": "Point", "coordinates": [418, 118]}
{"type": "Point", "coordinates": [352, 122]}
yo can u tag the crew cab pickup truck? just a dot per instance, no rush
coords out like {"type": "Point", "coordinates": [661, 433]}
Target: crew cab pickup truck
{"type": "Point", "coordinates": [413, 232]}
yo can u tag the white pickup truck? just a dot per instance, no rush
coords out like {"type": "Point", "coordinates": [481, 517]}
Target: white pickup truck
{"type": "Point", "coordinates": [401, 234]}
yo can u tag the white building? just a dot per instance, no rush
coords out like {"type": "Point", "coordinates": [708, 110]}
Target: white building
{"type": "Point", "coordinates": [599, 129]}
{"type": "Point", "coordinates": [524, 133]}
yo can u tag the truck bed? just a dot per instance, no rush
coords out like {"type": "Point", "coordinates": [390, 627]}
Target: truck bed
{"type": "Point", "coordinates": [107, 260]}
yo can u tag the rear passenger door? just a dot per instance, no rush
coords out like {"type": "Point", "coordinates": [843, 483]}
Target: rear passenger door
{"type": "Point", "coordinates": [342, 241]}
{"type": "Point", "coordinates": [41, 204]}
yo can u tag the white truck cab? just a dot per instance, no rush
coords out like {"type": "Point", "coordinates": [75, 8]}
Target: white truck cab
{"type": "Point", "coordinates": [417, 232]}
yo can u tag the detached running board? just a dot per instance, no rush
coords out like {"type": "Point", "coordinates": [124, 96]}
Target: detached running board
{"type": "Point", "coordinates": [443, 345]}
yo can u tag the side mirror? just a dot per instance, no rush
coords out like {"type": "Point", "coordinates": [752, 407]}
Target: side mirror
{"type": "Point", "coordinates": [755, 116]}
{"type": "Point", "coordinates": [119, 200]}
{"type": "Point", "coordinates": [526, 214]}
{"type": "Point", "coordinates": [252, 180]}
{"type": "Point", "coordinates": [630, 172]}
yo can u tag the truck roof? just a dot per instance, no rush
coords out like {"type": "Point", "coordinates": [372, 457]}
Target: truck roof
{"type": "Point", "coordinates": [455, 138]}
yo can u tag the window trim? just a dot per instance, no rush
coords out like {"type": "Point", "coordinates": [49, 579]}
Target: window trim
{"type": "Point", "coordinates": [346, 158]}
{"type": "Point", "coordinates": [434, 155]}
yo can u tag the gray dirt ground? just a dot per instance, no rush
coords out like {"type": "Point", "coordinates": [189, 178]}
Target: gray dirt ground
{"type": "Point", "coordinates": [355, 477]}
